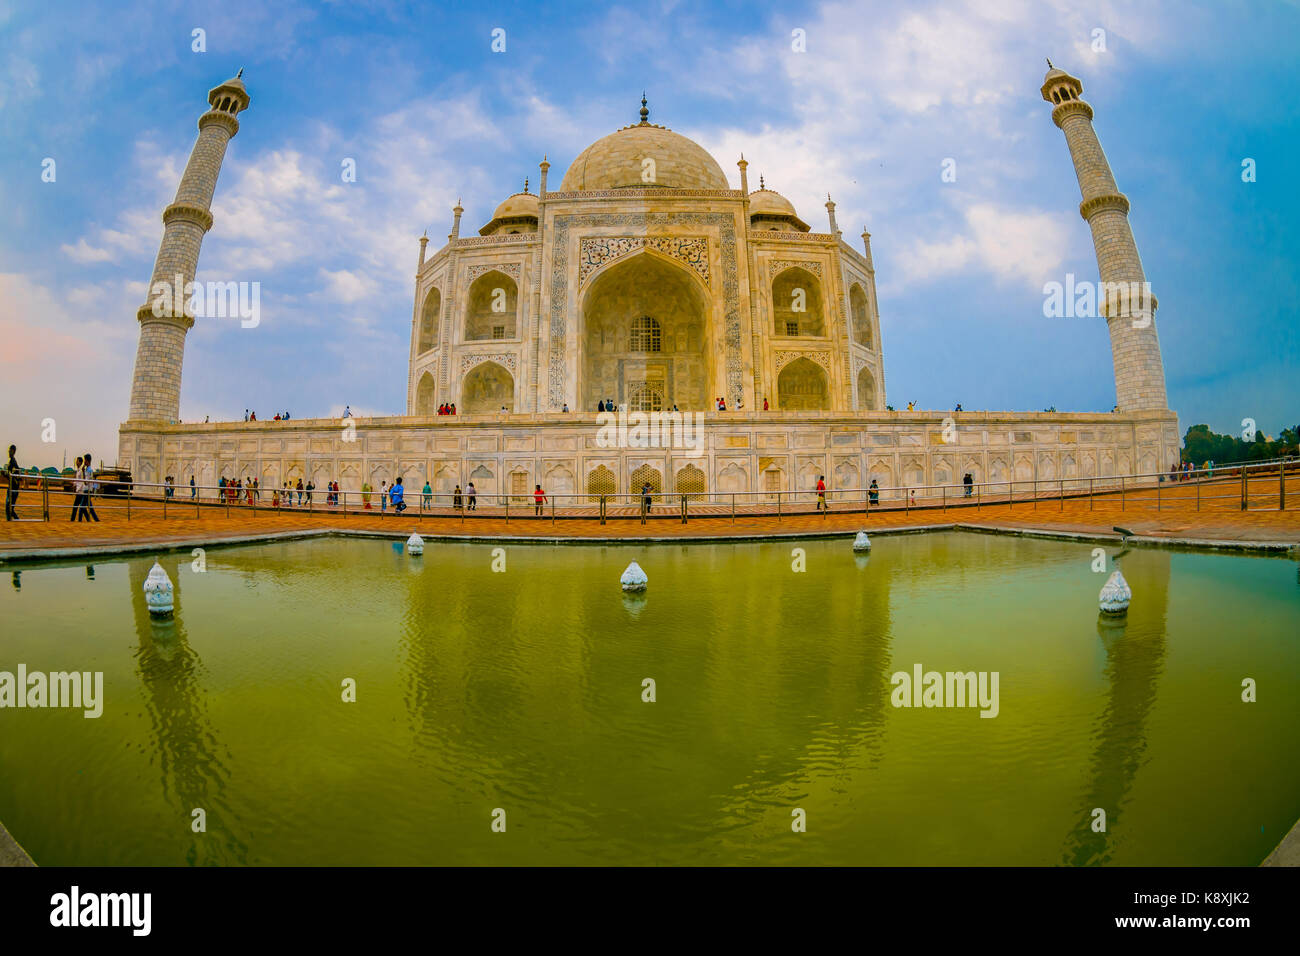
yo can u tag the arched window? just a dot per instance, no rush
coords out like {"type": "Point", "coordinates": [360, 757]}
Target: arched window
{"type": "Point", "coordinates": [645, 335]}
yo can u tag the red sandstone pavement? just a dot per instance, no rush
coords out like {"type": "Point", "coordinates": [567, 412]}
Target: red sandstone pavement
{"type": "Point", "coordinates": [1209, 514]}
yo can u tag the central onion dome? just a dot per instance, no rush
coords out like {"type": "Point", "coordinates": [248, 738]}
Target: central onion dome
{"type": "Point", "coordinates": [617, 161]}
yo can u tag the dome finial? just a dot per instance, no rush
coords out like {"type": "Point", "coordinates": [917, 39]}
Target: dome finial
{"type": "Point", "coordinates": [240, 74]}
{"type": "Point", "coordinates": [525, 184]}
{"type": "Point", "coordinates": [760, 181]}
{"type": "Point", "coordinates": [1049, 63]}
{"type": "Point", "coordinates": [645, 113]}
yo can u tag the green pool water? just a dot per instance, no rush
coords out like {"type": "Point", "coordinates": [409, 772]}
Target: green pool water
{"type": "Point", "coordinates": [522, 690]}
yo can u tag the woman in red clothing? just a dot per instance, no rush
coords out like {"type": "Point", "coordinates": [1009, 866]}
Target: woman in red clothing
{"type": "Point", "coordinates": [539, 499]}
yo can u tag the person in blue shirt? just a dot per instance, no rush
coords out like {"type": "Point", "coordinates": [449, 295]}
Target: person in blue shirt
{"type": "Point", "coordinates": [398, 496]}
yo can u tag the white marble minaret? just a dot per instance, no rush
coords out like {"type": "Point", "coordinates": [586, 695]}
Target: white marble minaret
{"type": "Point", "coordinates": [1129, 307]}
{"type": "Point", "coordinates": [156, 384]}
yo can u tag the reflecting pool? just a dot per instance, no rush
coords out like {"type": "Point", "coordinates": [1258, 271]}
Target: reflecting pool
{"type": "Point", "coordinates": [523, 689]}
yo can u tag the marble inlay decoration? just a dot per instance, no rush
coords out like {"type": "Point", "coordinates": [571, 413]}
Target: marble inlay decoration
{"type": "Point", "coordinates": [596, 251]}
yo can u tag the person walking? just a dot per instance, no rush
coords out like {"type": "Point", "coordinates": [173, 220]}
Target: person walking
{"type": "Point", "coordinates": [398, 495]}
{"type": "Point", "coordinates": [365, 496]}
{"type": "Point", "coordinates": [969, 481]}
{"type": "Point", "coordinates": [78, 487]}
{"type": "Point", "coordinates": [456, 498]}
{"type": "Point", "coordinates": [11, 485]}
{"type": "Point", "coordinates": [539, 499]}
{"type": "Point", "coordinates": [873, 494]}
{"type": "Point", "coordinates": [821, 493]}
{"type": "Point", "coordinates": [426, 496]}
{"type": "Point", "coordinates": [311, 486]}
{"type": "Point", "coordinates": [194, 489]}
{"type": "Point", "coordinates": [91, 486]}
{"type": "Point", "coordinates": [299, 488]}
{"type": "Point", "coordinates": [472, 493]}
{"type": "Point", "coordinates": [383, 497]}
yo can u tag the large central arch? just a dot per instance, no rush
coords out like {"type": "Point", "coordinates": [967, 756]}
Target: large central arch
{"type": "Point", "coordinates": [645, 339]}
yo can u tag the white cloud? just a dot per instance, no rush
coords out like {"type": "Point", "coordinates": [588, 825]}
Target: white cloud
{"type": "Point", "coordinates": [84, 252]}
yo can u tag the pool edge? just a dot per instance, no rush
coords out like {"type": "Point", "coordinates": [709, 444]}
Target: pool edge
{"type": "Point", "coordinates": [11, 852]}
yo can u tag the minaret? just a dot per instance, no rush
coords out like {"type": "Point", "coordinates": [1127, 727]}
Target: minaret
{"type": "Point", "coordinates": [1129, 306]}
{"type": "Point", "coordinates": [156, 384]}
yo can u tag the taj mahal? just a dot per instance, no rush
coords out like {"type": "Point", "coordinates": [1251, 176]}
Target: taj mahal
{"type": "Point", "coordinates": [646, 281]}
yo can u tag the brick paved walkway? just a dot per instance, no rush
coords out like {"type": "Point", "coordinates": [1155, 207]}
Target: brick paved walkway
{"type": "Point", "coordinates": [1219, 520]}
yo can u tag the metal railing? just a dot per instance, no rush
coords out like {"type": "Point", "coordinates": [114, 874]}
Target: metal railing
{"type": "Point", "coordinates": [1254, 486]}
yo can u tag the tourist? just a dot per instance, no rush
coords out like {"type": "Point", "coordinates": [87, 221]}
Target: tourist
{"type": "Point", "coordinates": [383, 497]}
{"type": "Point", "coordinates": [456, 497]}
{"type": "Point", "coordinates": [76, 490]}
{"type": "Point", "coordinates": [399, 496]}
{"type": "Point", "coordinates": [821, 493]}
{"type": "Point", "coordinates": [277, 417]}
{"type": "Point", "coordinates": [645, 498]}
{"type": "Point", "coordinates": [911, 406]}
{"type": "Point", "coordinates": [311, 486]}
{"type": "Point", "coordinates": [365, 496]}
{"type": "Point", "coordinates": [958, 408]}
{"type": "Point", "coordinates": [194, 490]}
{"type": "Point", "coordinates": [912, 496]}
{"type": "Point", "coordinates": [11, 484]}
{"type": "Point", "coordinates": [472, 493]}
{"type": "Point", "coordinates": [275, 497]}
{"type": "Point", "coordinates": [1209, 468]}
{"type": "Point", "coordinates": [426, 495]}
{"type": "Point", "coordinates": [246, 414]}
{"type": "Point", "coordinates": [722, 404]}
{"type": "Point", "coordinates": [87, 507]}
{"type": "Point", "coordinates": [453, 408]}
{"type": "Point", "coordinates": [300, 489]}
{"type": "Point", "coordinates": [969, 481]}
{"type": "Point", "coordinates": [205, 419]}
{"type": "Point", "coordinates": [600, 405]}
{"type": "Point", "coordinates": [765, 403]}
{"type": "Point", "coordinates": [169, 487]}
{"type": "Point", "coordinates": [565, 409]}
{"type": "Point", "coordinates": [221, 487]}
{"type": "Point", "coordinates": [674, 406]}
{"type": "Point", "coordinates": [873, 494]}
{"type": "Point", "coordinates": [347, 411]}
{"type": "Point", "coordinates": [539, 499]}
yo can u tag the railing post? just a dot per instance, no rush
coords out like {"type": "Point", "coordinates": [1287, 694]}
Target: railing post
{"type": "Point", "coordinates": [944, 489]}
{"type": "Point", "coordinates": [462, 514]}
{"type": "Point", "coordinates": [1245, 494]}
{"type": "Point", "coordinates": [733, 507]}
{"type": "Point", "coordinates": [1281, 485]}
{"type": "Point", "coordinates": [164, 502]}
{"type": "Point", "coordinates": [1121, 492]}
{"type": "Point", "coordinates": [1089, 494]}
{"type": "Point", "coordinates": [1198, 495]}
{"type": "Point", "coordinates": [979, 495]}
{"type": "Point", "coordinates": [1158, 484]}
{"type": "Point", "coordinates": [507, 509]}
{"type": "Point", "coordinates": [778, 506]}
{"type": "Point", "coordinates": [684, 509]}
{"type": "Point", "coordinates": [1062, 482]}
{"type": "Point", "coordinates": [128, 501]}
{"type": "Point", "coordinates": [1035, 494]}
{"type": "Point", "coordinates": [45, 496]}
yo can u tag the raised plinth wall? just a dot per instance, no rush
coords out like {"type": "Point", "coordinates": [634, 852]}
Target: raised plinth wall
{"type": "Point", "coordinates": [760, 452]}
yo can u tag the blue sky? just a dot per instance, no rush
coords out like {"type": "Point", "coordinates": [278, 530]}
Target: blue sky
{"type": "Point", "coordinates": [884, 93]}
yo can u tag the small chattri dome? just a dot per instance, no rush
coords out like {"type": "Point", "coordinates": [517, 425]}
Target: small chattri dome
{"type": "Point", "coordinates": [765, 202]}
{"type": "Point", "coordinates": [520, 204]}
{"type": "Point", "coordinates": [771, 211]}
{"type": "Point", "coordinates": [518, 213]}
